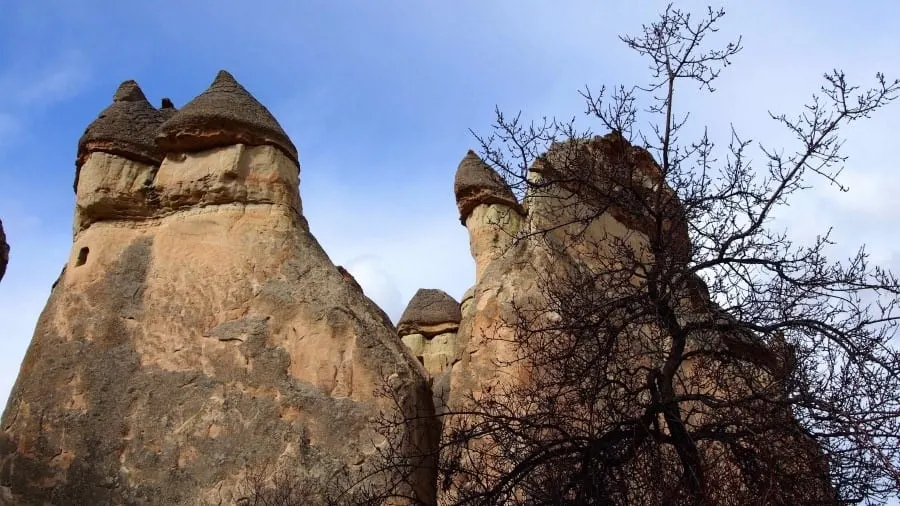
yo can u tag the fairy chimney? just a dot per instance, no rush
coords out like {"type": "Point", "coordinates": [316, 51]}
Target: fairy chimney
{"type": "Point", "coordinates": [600, 187]}
{"type": "Point", "coordinates": [225, 114]}
{"type": "Point", "coordinates": [117, 160]}
{"type": "Point", "coordinates": [428, 328]}
{"type": "Point", "coordinates": [199, 333]}
{"type": "Point", "coordinates": [487, 208]}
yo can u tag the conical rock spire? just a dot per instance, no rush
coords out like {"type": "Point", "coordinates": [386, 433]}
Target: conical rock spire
{"type": "Point", "coordinates": [477, 183]}
{"type": "Point", "coordinates": [223, 115]}
{"type": "Point", "coordinates": [126, 128]}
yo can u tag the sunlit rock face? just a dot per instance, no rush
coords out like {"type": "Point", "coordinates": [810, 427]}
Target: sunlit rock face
{"type": "Point", "coordinates": [487, 208]}
{"type": "Point", "coordinates": [199, 332]}
{"type": "Point", "coordinates": [428, 328]}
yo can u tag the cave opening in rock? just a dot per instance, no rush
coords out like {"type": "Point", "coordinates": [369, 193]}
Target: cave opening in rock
{"type": "Point", "coordinates": [82, 257]}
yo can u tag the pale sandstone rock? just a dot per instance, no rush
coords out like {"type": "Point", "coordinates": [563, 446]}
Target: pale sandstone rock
{"type": "Point", "coordinates": [204, 337]}
{"type": "Point", "coordinates": [237, 173]}
{"type": "Point", "coordinates": [465, 304]}
{"type": "Point", "coordinates": [415, 343]}
{"type": "Point", "coordinates": [493, 228]}
{"type": "Point", "coordinates": [428, 328]}
{"type": "Point", "coordinates": [111, 187]}
{"type": "Point", "coordinates": [510, 276]}
{"type": "Point", "coordinates": [512, 252]}
{"type": "Point", "coordinates": [437, 353]}
{"type": "Point", "coordinates": [126, 128]}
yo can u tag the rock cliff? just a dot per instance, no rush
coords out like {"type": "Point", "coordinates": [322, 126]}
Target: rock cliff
{"type": "Point", "coordinates": [199, 332]}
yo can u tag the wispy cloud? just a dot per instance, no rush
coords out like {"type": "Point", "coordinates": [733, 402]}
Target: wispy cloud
{"type": "Point", "coordinates": [60, 80]}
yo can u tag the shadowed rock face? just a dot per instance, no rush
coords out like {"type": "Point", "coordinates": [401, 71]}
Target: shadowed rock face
{"type": "Point", "coordinates": [199, 332]}
{"type": "Point", "coordinates": [510, 273]}
{"type": "Point", "coordinates": [616, 177]}
{"type": "Point", "coordinates": [4, 252]}
{"type": "Point", "coordinates": [223, 115]}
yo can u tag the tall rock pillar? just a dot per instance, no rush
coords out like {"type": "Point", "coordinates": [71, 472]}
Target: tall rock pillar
{"type": "Point", "coordinates": [199, 333]}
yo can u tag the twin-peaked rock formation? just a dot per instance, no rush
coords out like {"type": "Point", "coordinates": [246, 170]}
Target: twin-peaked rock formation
{"type": "Point", "coordinates": [199, 332]}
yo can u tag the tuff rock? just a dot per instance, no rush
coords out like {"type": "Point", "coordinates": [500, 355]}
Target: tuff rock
{"type": "Point", "coordinates": [199, 332]}
{"type": "Point", "coordinates": [223, 115]}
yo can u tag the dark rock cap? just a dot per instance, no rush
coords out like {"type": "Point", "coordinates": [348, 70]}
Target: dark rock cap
{"type": "Point", "coordinates": [430, 306]}
{"type": "Point", "coordinates": [126, 128]}
{"type": "Point", "coordinates": [223, 115]}
{"type": "Point", "coordinates": [4, 251]}
{"type": "Point", "coordinates": [477, 183]}
{"type": "Point", "coordinates": [167, 108]}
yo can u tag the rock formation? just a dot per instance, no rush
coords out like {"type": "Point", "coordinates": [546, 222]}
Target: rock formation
{"type": "Point", "coordinates": [4, 252]}
{"type": "Point", "coordinates": [429, 313]}
{"type": "Point", "coordinates": [428, 328]}
{"type": "Point", "coordinates": [223, 115]}
{"type": "Point", "coordinates": [199, 332]}
{"type": "Point", "coordinates": [558, 230]}
{"type": "Point", "coordinates": [487, 208]}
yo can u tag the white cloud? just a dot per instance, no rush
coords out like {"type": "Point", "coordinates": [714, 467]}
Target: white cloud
{"type": "Point", "coordinates": [377, 283]}
{"type": "Point", "coordinates": [62, 77]}
{"type": "Point", "coordinates": [59, 81]}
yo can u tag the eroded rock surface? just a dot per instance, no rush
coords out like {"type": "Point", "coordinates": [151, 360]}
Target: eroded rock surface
{"type": "Point", "coordinates": [429, 312]}
{"type": "Point", "coordinates": [587, 203]}
{"type": "Point", "coordinates": [200, 333]}
{"type": "Point", "coordinates": [126, 128]}
{"type": "Point", "coordinates": [428, 328]}
{"type": "Point", "coordinates": [223, 115]}
{"type": "Point", "coordinates": [476, 183]}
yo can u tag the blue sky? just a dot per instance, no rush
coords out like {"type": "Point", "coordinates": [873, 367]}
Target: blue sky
{"type": "Point", "coordinates": [379, 97]}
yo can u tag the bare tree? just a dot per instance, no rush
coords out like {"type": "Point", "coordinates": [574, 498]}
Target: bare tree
{"type": "Point", "coordinates": [694, 355]}
{"type": "Point", "coordinates": [705, 357]}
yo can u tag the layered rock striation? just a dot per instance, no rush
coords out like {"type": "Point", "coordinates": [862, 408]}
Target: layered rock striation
{"type": "Point", "coordinates": [199, 332]}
